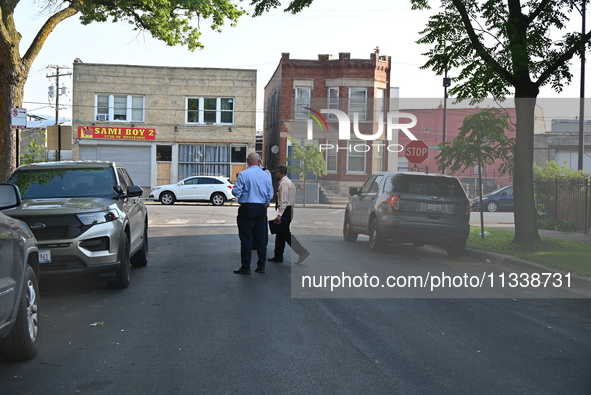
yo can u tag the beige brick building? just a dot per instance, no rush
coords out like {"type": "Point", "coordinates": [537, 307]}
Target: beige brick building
{"type": "Point", "coordinates": [164, 123]}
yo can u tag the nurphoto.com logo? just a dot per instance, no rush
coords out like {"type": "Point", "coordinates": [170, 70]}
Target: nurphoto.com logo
{"type": "Point", "coordinates": [393, 123]}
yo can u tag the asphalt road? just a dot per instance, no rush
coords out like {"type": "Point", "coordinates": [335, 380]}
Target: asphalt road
{"type": "Point", "coordinates": [188, 325]}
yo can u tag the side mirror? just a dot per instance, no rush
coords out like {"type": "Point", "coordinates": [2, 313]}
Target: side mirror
{"type": "Point", "coordinates": [353, 191]}
{"type": "Point", "coordinates": [10, 196]}
{"type": "Point", "coordinates": [134, 191]}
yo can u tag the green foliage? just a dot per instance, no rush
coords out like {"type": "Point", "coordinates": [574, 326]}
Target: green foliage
{"type": "Point", "coordinates": [176, 22]}
{"type": "Point", "coordinates": [34, 152]}
{"type": "Point", "coordinates": [306, 159]}
{"type": "Point", "coordinates": [553, 171]}
{"type": "Point", "coordinates": [550, 224]}
{"type": "Point", "coordinates": [295, 6]}
{"type": "Point", "coordinates": [481, 140]}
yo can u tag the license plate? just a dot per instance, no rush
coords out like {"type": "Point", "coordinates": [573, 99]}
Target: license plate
{"type": "Point", "coordinates": [433, 207]}
{"type": "Point", "coordinates": [44, 256]}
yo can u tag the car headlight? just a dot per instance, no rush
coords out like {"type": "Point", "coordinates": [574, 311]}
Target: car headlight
{"type": "Point", "coordinates": [98, 218]}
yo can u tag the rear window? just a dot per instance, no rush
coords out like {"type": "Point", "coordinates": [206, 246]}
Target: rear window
{"type": "Point", "coordinates": [56, 183]}
{"type": "Point", "coordinates": [421, 185]}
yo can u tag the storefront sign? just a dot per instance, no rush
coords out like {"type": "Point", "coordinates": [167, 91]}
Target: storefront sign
{"type": "Point", "coordinates": [103, 132]}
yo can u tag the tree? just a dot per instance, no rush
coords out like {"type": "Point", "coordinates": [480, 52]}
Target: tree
{"type": "Point", "coordinates": [502, 48]}
{"type": "Point", "coordinates": [481, 140]}
{"type": "Point", "coordinates": [173, 22]}
{"type": "Point", "coordinates": [306, 159]}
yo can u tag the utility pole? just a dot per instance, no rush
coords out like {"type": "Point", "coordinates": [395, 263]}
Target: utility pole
{"type": "Point", "coordinates": [57, 76]}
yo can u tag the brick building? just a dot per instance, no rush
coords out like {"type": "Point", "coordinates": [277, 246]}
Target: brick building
{"type": "Point", "coordinates": [353, 86]}
{"type": "Point", "coordinates": [164, 123]}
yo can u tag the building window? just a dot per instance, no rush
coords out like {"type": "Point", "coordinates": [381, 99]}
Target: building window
{"type": "Point", "coordinates": [380, 104]}
{"type": "Point", "coordinates": [333, 101]}
{"type": "Point", "coordinates": [214, 110]}
{"type": "Point", "coordinates": [356, 157]}
{"type": "Point", "coordinates": [358, 103]}
{"type": "Point", "coordinates": [122, 108]}
{"type": "Point", "coordinates": [302, 100]}
{"type": "Point", "coordinates": [209, 160]}
{"type": "Point", "coordinates": [331, 156]}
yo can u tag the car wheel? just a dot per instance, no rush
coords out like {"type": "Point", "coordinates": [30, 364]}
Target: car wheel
{"type": "Point", "coordinates": [218, 199]}
{"type": "Point", "coordinates": [123, 273]}
{"type": "Point", "coordinates": [492, 207]}
{"type": "Point", "coordinates": [167, 198]}
{"type": "Point", "coordinates": [376, 240]}
{"type": "Point", "coordinates": [140, 259]}
{"type": "Point", "coordinates": [456, 249]}
{"type": "Point", "coordinates": [22, 343]}
{"type": "Point", "coordinates": [348, 233]}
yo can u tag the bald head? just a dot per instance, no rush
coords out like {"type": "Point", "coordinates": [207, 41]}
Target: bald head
{"type": "Point", "coordinates": [253, 159]}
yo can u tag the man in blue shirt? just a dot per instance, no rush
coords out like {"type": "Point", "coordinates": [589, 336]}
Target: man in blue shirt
{"type": "Point", "coordinates": [254, 191]}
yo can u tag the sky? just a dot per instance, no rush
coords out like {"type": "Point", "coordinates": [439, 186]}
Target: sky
{"type": "Point", "coordinates": [327, 27]}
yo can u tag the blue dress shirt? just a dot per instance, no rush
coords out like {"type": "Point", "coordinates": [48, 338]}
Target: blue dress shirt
{"type": "Point", "coordinates": [253, 185]}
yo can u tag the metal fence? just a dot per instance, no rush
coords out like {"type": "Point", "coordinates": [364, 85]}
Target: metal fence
{"type": "Point", "coordinates": [567, 201]}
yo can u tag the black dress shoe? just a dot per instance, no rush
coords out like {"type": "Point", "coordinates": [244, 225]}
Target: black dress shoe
{"type": "Point", "coordinates": [275, 259]}
{"type": "Point", "coordinates": [260, 270]}
{"type": "Point", "coordinates": [242, 271]}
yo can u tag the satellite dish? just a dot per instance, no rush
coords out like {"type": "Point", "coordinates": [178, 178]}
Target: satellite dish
{"type": "Point", "coordinates": [275, 149]}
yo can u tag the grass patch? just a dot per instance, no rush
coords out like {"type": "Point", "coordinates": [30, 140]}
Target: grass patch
{"type": "Point", "coordinates": [569, 256]}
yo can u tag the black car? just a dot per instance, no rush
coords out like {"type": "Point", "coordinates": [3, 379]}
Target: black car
{"type": "Point", "coordinates": [19, 289]}
{"type": "Point", "coordinates": [410, 207]}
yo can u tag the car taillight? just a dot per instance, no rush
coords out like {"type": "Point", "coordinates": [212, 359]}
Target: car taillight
{"type": "Point", "coordinates": [230, 186]}
{"type": "Point", "coordinates": [394, 202]}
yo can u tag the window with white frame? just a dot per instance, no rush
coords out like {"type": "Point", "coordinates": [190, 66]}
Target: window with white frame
{"type": "Point", "coordinates": [302, 100]}
{"type": "Point", "coordinates": [380, 104]}
{"type": "Point", "coordinates": [330, 155]}
{"type": "Point", "coordinates": [214, 110]}
{"type": "Point", "coordinates": [122, 108]}
{"type": "Point", "coordinates": [358, 102]}
{"type": "Point", "coordinates": [356, 157]}
{"type": "Point", "coordinates": [333, 101]}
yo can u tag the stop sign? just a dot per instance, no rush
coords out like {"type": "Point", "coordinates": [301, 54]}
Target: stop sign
{"type": "Point", "coordinates": [416, 151]}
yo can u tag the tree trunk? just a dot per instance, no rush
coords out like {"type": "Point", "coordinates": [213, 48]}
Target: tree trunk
{"type": "Point", "coordinates": [12, 87]}
{"type": "Point", "coordinates": [526, 227]}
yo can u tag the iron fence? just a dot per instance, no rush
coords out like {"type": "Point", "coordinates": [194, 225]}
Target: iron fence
{"type": "Point", "coordinates": [566, 201]}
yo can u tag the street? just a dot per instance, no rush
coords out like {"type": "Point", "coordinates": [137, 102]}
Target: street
{"type": "Point", "coordinates": [188, 325]}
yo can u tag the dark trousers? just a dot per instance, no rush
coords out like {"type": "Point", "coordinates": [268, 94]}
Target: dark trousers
{"type": "Point", "coordinates": [286, 237]}
{"type": "Point", "coordinates": [252, 225]}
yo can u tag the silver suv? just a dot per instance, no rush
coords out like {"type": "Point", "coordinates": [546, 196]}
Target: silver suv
{"type": "Point", "coordinates": [87, 216]}
{"type": "Point", "coordinates": [409, 208]}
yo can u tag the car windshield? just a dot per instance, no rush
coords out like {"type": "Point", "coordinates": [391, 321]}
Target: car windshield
{"type": "Point", "coordinates": [56, 183]}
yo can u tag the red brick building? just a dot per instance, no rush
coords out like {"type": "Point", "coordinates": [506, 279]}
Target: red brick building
{"type": "Point", "coordinates": [429, 128]}
{"type": "Point", "coordinates": [360, 86]}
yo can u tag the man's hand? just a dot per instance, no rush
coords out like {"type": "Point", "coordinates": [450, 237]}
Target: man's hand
{"type": "Point", "coordinates": [278, 219]}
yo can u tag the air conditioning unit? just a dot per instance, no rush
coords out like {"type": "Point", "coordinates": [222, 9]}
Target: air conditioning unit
{"type": "Point", "coordinates": [102, 117]}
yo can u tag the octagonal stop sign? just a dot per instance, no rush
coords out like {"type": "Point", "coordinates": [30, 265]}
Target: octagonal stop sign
{"type": "Point", "coordinates": [416, 151]}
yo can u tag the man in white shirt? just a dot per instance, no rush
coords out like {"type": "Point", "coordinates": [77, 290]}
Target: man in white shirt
{"type": "Point", "coordinates": [286, 201]}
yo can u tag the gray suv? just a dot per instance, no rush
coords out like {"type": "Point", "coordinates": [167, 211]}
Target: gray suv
{"type": "Point", "coordinates": [87, 216]}
{"type": "Point", "coordinates": [19, 289]}
{"type": "Point", "coordinates": [413, 208]}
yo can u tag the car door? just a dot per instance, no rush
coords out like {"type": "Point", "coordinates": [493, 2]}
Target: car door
{"type": "Point", "coordinates": [133, 207]}
{"type": "Point", "coordinates": [506, 199]}
{"type": "Point", "coordinates": [366, 202]}
{"type": "Point", "coordinates": [10, 269]}
{"type": "Point", "coordinates": [207, 186]}
{"type": "Point", "coordinates": [188, 189]}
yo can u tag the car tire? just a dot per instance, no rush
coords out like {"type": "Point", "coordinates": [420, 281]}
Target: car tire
{"type": "Point", "coordinates": [492, 207]}
{"type": "Point", "coordinates": [140, 259]}
{"type": "Point", "coordinates": [167, 198]}
{"type": "Point", "coordinates": [123, 273]}
{"type": "Point", "coordinates": [456, 248]}
{"type": "Point", "coordinates": [377, 242]}
{"type": "Point", "coordinates": [218, 199]}
{"type": "Point", "coordinates": [348, 234]}
{"type": "Point", "coordinates": [22, 343]}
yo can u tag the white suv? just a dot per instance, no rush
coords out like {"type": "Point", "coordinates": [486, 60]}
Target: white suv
{"type": "Point", "coordinates": [86, 216]}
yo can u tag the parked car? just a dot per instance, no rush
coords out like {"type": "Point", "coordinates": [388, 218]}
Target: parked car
{"type": "Point", "coordinates": [499, 200]}
{"type": "Point", "coordinates": [409, 208]}
{"type": "Point", "coordinates": [470, 184]}
{"type": "Point", "coordinates": [216, 190]}
{"type": "Point", "coordinates": [87, 216]}
{"type": "Point", "coordinates": [19, 288]}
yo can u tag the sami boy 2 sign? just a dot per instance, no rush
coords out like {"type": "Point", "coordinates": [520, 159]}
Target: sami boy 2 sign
{"type": "Point", "coordinates": [104, 132]}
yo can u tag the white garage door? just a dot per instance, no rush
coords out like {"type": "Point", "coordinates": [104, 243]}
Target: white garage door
{"type": "Point", "coordinates": [135, 159]}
